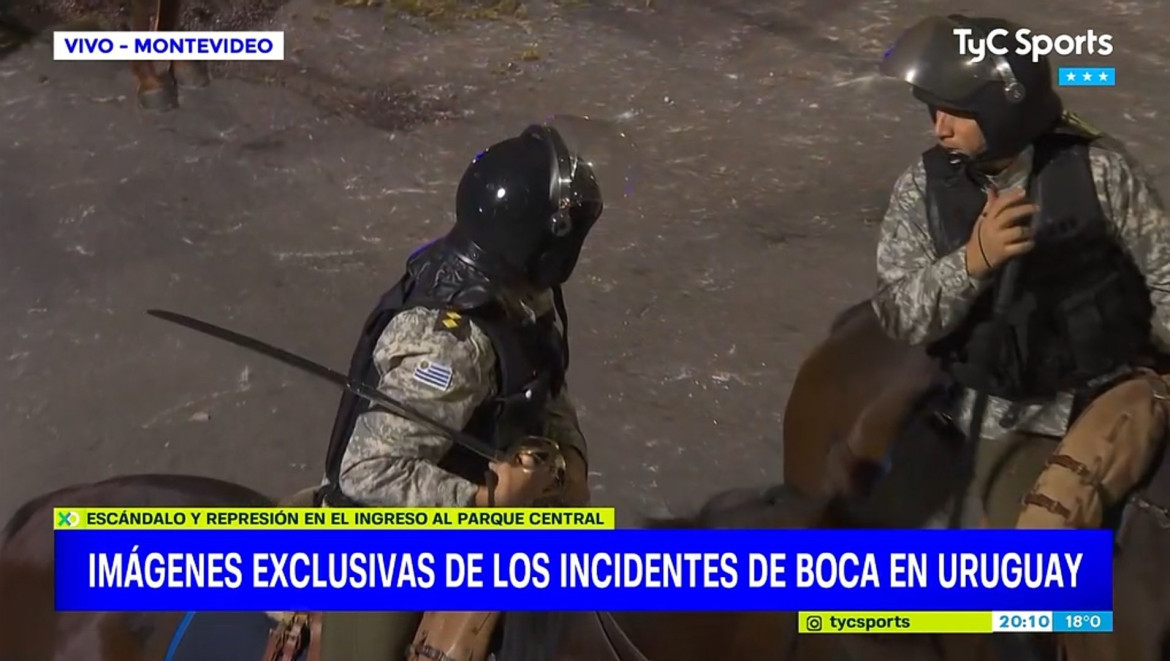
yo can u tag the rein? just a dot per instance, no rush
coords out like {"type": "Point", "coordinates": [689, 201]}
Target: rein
{"type": "Point", "coordinates": [617, 639]}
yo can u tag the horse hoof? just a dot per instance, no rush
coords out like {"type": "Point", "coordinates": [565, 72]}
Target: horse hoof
{"type": "Point", "coordinates": [191, 75]}
{"type": "Point", "coordinates": [159, 99]}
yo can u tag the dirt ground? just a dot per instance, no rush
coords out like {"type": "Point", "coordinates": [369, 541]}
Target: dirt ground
{"type": "Point", "coordinates": [281, 200]}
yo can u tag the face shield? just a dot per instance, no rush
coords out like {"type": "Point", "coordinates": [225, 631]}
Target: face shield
{"type": "Point", "coordinates": [595, 167]}
{"type": "Point", "coordinates": [950, 63]}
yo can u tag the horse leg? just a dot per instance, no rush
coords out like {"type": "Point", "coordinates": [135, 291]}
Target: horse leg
{"type": "Point", "coordinates": [187, 73]}
{"type": "Point", "coordinates": [156, 93]}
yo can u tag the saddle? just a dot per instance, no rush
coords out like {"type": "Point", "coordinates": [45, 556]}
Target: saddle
{"type": "Point", "coordinates": [923, 448]}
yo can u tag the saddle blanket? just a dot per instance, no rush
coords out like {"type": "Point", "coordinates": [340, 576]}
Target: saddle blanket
{"type": "Point", "coordinates": [226, 636]}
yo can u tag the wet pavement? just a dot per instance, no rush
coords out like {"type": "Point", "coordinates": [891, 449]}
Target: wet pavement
{"type": "Point", "coordinates": [283, 199]}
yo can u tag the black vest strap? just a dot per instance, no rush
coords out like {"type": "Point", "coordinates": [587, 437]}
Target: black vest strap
{"type": "Point", "coordinates": [559, 305]}
{"type": "Point", "coordinates": [360, 367]}
{"type": "Point", "coordinates": [953, 200]}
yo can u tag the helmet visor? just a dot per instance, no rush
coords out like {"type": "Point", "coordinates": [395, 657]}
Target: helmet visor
{"type": "Point", "coordinates": [597, 166]}
{"type": "Point", "coordinates": [937, 60]}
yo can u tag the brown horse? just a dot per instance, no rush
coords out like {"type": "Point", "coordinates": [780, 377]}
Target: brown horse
{"type": "Point", "coordinates": [160, 92]}
{"type": "Point", "coordinates": [30, 630]}
{"type": "Point", "coordinates": [863, 395]}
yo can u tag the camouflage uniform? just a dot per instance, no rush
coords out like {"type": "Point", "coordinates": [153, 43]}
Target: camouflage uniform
{"type": "Point", "coordinates": [922, 296]}
{"type": "Point", "coordinates": [392, 461]}
{"type": "Point", "coordinates": [452, 341]}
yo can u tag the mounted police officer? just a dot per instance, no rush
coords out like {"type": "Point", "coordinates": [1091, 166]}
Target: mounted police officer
{"type": "Point", "coordinates": [470, 338]}
{"type": "Point", "coordinates": [1031, 256]}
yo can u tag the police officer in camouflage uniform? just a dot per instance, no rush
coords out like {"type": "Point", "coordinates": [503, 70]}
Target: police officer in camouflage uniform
{"type": "Point", "coordinates": [1031, 256]}
{"type": "Point", "coordinates": [469, 337]}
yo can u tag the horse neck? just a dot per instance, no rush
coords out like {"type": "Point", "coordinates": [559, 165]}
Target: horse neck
{"type": "Point", "coordinates": [708, 635]}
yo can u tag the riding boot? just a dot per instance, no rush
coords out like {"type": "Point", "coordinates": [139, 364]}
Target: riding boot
{"type": "Point", "coordinates": [1106, 452]}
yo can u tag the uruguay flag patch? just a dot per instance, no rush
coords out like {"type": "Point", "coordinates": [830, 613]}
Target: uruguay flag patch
{"type": "Point", "coordinates": [433, 375]}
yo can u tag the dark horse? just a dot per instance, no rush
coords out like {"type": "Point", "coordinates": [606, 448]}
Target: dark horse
{"type": "Point", "coordinates": [155, 91]}
{"type": "Point", "coordinates": [860, 389]}
{"type": "Point", "coordinates": [30, 629]}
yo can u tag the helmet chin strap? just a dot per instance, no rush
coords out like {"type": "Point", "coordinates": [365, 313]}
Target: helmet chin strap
{"type": "Point", "coordinates": [959, 158]}
{"type": "Point", "coordinates": [975, 164]}
{"type": "Point", "coordinates": [972, 165]}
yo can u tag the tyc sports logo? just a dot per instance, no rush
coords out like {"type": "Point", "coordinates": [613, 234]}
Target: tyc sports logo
{"type": "Point", "coordinates": [1025, 42]}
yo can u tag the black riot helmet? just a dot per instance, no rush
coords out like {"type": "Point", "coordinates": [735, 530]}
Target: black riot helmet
{"type": "Point", "coordinates": [1010, 96]}
{"type": "Point", "coordinates": [524, 207]}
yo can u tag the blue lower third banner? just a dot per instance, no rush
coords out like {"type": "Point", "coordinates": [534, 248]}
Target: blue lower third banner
{"type": "Point", "coordinates": [577, 570]}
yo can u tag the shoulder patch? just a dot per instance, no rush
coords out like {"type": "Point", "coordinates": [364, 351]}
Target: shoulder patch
{"type": "Point", "coordinates": [454, 323]}
{"type": "Point", "coordinates": [434, 375]}
{"type": "Point", "coordinates": [1081, 126]}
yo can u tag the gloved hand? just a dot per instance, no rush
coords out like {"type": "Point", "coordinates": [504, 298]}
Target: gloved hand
{"type": "Point", "coordinates": [515, 484]}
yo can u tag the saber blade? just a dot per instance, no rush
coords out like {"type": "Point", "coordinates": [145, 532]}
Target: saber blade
{"type": "Point", "coordinates": [371, 395]}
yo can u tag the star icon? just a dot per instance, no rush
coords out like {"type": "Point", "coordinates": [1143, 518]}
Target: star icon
{"type": "Point", "coordinates": [1104, 76]}
{"type": "Point", "coordinates": [1071, 77]}
{"type": "Point", "coordinates": [1087, 76]}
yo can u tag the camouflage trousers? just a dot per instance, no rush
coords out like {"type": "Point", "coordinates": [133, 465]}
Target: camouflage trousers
{"type": "Point", "coordinates": [1108, 449]}
{"type": "Point", "coordinates": [358, 635]}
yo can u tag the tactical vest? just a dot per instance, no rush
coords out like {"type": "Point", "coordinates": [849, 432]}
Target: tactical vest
{"type": "Point", "coordinates": [1078, 308]}
{"type": "Point", "coordinates": [531, 360]}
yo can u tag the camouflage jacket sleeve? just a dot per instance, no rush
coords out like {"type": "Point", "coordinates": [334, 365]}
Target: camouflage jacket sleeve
{"type": "Point", "coordinates": [562, 424]}
{"type": "Point", "coordinates": [1140, 222]}
{"type": "Point", "coordinates": [443, 373]}
{"type": "Point", "coordinates": [920, 296]}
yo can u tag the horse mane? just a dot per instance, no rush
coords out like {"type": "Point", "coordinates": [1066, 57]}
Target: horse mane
{"type": "Point", "coordinates": [23, 515]}
{"type": "Point", "coordinates": [148, 490]}
{"type": "Point", "coordinates": [849, 314]}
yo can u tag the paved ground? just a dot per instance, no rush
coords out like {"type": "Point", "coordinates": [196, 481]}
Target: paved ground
{"type": "Point", "coordinates": [281, 200]}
